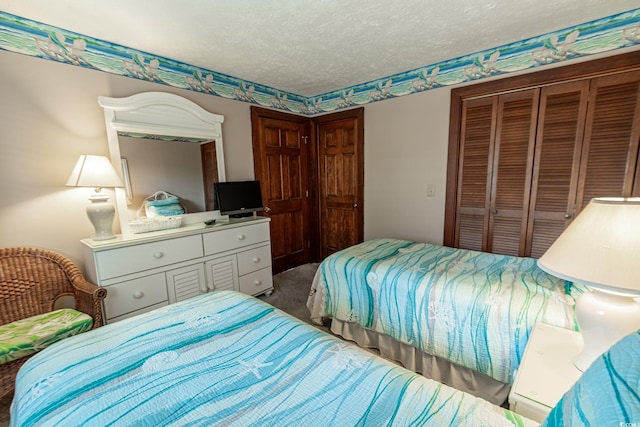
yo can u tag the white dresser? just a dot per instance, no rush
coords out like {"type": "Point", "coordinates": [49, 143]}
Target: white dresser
{"type": "Point", "coordinates": [146, 271]}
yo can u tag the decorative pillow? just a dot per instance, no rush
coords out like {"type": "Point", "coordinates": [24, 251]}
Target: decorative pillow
{"type": "Point", "coordinates": [27, 336]}
{"type": "Point", "coordinates": [608, 393]}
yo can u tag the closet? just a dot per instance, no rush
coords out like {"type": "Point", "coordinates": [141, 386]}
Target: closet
{"type": "Point", "coordinates": [525, 160]}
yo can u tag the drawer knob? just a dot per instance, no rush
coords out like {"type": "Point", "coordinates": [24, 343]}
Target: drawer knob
{"type": "Point", "coordinates": [240, 236]}
{"type": "Point", "coordinates": [158, 254]}
{"type": "Point", "coordinates": [138, 294]}
{"type": "Point", "coordinates": [257, 282]}
{"type": "Point", "coordinates": [256, 259]}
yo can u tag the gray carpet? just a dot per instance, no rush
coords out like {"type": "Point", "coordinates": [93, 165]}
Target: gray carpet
{"type": "Point", "coordinates": [291, 289]}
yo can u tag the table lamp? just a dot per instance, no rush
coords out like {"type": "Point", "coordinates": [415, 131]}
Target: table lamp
{"type": "Point", "coordinates": [601, 250]}
{"type": "Point", "coordinates": [97, 171]}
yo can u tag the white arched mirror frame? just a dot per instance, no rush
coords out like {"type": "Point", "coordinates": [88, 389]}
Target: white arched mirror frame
{"type": "Point", "coordinates": [160, 114]}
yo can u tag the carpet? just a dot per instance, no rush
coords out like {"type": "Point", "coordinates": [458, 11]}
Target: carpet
{"type": "Point", "coordinates": [291, 291]}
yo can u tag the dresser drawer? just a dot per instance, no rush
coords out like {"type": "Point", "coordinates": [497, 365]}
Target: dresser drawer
{"type": "Point", "coordinates": [135, 313]}
{"type": "Point", "coordinates": [256, 282]}
{"type": "Point", "coordinates": [234, 238]}
{"type": "Point", "coordinates": [132, 295]}
{"type": "Point", "coordinates": [254, 259]}
{"type": "Point", "coordinates": [132, 259]}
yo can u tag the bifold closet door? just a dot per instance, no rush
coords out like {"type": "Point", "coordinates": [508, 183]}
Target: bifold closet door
{"type": "Point", "coordinates": [609, 163]}
{"type": "Point", "coordinates": [512, 170]}
{"type": "Point", "coordinates": [559, 137]}
{"type": "Point", "coordinates": [495, 164]}
{"type": "Point", "coordinates": [525, 162]}
{"type": "Point", "coordinates": [477, 138]}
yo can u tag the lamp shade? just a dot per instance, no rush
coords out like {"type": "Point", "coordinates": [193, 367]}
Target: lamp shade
{"type": "Point", "coordinates": [94, 171]}
{"type": "Point", "coordinates": [600, 248]}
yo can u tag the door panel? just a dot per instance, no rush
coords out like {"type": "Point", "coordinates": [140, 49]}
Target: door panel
{"type": "Point", "coordinates": [610, 149]}
{"type": "Point", "coordinates": [511, 181]}
{"type": "Point", "coordinates": [476, 149]}
{"type": "Point", "coordinates": [281, 164]}
{"type": "Point", "coordinates": [209, 172]}
{"type": "Point", "coordinates": [341, 180]}
{"type": "Point", "coordinates": [556, 165]}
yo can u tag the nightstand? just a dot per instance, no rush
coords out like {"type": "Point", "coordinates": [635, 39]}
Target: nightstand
{"type": "Point", "coordinates": [546, 371]}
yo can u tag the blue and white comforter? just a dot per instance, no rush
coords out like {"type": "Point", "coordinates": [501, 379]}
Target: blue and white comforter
{"type": "Point", "coordinates": [472, 308]}
{"type": "Point", "coordinates": [607, 394]}
{"type": "Point", "coordinates": [231, 360]}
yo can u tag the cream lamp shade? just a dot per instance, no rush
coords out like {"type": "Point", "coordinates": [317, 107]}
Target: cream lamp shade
{"type": "Point", "coordinates": [601, 249]}
{"type": "Point", "coordinates": [97, 172]}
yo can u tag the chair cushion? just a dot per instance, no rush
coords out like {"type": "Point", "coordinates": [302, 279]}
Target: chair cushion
{"type": "Point", "coordinates": [27, 336]}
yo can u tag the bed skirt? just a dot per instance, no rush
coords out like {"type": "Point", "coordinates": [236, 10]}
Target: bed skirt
{"type": "Point", "coordinates": [428, 365]}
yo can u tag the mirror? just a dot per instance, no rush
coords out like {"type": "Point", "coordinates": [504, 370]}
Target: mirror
{"type": "Point", "coordinates": [161, 141]}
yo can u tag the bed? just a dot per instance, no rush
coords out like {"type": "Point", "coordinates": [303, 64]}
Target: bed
{"type": "Point", "coordinates": [458, 316]}
{"type": "Point", "coordinates": [229, 359]}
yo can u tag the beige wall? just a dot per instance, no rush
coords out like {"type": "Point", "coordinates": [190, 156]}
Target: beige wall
{"type": "Point", "coordinates": [405, 151]}
{"type": "Point", "coordinates": [49, 116]}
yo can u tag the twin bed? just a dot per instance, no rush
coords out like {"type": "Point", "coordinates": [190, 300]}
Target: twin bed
{"type": "Point", "coordinates": [228, 359]}
{"type": "Point", "coordinates": [458, 316]}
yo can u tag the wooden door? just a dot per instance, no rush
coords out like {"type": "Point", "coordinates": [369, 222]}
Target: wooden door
{"type": "Point", "coordinates": [474, 172]}
{"type": "Point", "coordinates": [586, 145]}
{"type": "Point", "coordinates": [496, 159]}
{"type": "Point", "coordinates": [281, 162]}
{"type": "Point", "coordinates": [209, 172]}
{"type": "Point", "coordinates": [340, 139]}
{"type": "Point", "coordinates": [612, 133]}
{"type": "Point", "coordinates": [557, 159]}
{"type": "Point", "coordinates": [512, 166]}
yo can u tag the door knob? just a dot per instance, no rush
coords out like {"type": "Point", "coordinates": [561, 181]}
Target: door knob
{"type": "Point", "coordinates": [567, 216]}
{"type": "Point", "coordinates": [267, 209]}
{"type": "Point", "coordinates": [355, 205]}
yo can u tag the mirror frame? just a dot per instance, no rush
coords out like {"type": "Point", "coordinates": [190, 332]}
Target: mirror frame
{"type": "Point", "coordinates": [159, 114]}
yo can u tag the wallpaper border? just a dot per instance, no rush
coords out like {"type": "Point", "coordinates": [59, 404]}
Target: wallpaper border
{"type": "Point", "coordinates": [44, 41]}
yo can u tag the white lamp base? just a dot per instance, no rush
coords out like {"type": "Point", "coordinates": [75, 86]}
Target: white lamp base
{"type": "Point", "coordinates": [604, 319]}
{"type": "Point", "coordinates": [101, 214]}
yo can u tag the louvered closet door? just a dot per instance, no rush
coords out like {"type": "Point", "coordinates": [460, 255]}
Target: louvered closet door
{"type": "Point", "coordinates": [610, 149]}
{"type": "Point", "coordinates": [559, 136]}
{"type": "Point", "coordinates": [474, 172]}
{"type": "Point", "coordinates": [513, 164]}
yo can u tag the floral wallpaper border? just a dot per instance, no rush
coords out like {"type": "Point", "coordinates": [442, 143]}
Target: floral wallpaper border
{"type": "Point", "coordinates": [32, 38]}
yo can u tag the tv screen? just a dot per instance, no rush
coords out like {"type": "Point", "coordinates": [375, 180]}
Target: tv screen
{"type": "Point", "coordinates": [237, 198]}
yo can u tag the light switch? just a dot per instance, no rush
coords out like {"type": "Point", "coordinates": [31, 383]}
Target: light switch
{"type": "Point", "coordinates": [431, 190]}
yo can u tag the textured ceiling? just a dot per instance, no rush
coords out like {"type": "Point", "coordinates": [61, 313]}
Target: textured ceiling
{"type": "Point", "coordinates": [310, 47]}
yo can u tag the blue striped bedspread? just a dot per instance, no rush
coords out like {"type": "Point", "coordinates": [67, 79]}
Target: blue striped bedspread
{"type": "Point", "coordinates": [231, 360]}
{"type": "Point", "coordinates": [607, 394]}
{"type": "Point", "coordinates": [472, 308]}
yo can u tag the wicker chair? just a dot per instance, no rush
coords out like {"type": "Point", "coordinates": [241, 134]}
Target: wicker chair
{"type": "Point", "coordinates": [31, 281]}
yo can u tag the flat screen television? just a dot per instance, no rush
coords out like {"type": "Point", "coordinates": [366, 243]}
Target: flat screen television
{"type": "Point", "coordinates": [237, 198]}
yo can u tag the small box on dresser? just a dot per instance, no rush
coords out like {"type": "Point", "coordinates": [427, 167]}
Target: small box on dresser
{"type": "Point", "coordinates": [146, 271]}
